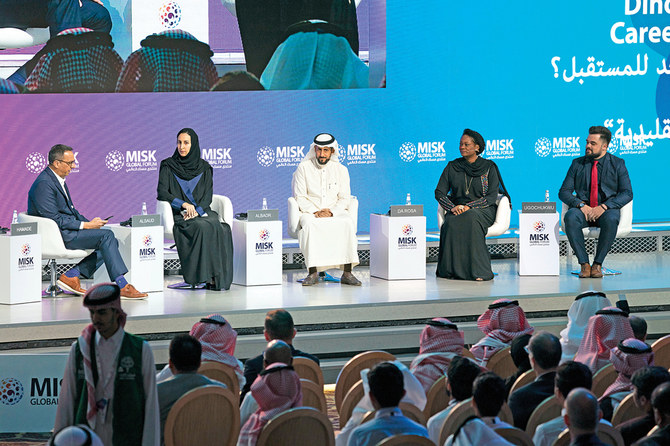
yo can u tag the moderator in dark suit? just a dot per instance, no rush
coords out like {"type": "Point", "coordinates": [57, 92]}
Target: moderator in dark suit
{"type": "Point", "coordinates": [47, 199]}
{"type": "Point", "coordinates": [614, 191]}
{"type": "Point", "coordinates": [522, 402]}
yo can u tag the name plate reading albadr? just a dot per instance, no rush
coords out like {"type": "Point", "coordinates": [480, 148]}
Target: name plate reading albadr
{"type": "Point", "coordinates": [413, 210]}
{"type": "Point", "coordinates": [146, 220]}
{"type": "Point", "coordinates": [263, 215]}
{"type": "Point", "coordinates": [538, 207]}
{"type": "Point", "coordinates": [24, 228]}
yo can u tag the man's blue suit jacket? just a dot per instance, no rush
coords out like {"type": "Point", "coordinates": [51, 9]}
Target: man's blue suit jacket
{"type": "Point", "coordinates": [46, 198]}
{"type": "Point", "coordinates": [614, 182]}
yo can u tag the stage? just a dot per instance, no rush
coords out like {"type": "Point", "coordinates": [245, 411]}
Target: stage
{"type": "Point", "coordinates": [336, 321]}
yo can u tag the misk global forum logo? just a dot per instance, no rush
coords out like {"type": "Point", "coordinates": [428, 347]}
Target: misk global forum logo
{"type": "Point", "coordinates": [169, 15]}
{"type": "Point", "coordinates": [426, 151]}
{"type": "Point", "coordinates": [25, 260]}
{"type": "Point", "coordinates": [131, 160]}
{"type": "Point", "coordinates": [264, 246]}
{"type": "Point", "coordinates": [406, 239]}
{"type": "Point", "coordinates": [558, 147]}
{"type": "Point", "coordinates": [147, 252]}
{"type": "Point", "coordinates": [11, 391]}
{"type": "Point", "coordinates": [538, 237]}
{"type": "Point", "coordinates": [280, 156]}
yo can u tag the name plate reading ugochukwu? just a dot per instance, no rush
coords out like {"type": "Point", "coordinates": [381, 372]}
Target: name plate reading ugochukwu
{"type": "Point", "coordinates": [24, 228]}
{"type": "Point", "coordinates": [538, 207]}
{"type": "Point", "coordinates": [413, 210]}
{"type": "Point", "coordinates": [263, 215]}
{"type": "Point", "coordinates": [146, 220]}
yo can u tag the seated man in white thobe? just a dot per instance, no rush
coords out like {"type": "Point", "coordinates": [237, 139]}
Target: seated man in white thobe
{"type": "Point", "coordinates": [327, 236]}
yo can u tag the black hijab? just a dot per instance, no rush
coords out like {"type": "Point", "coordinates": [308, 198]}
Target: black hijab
{"type": "Point", "coordinates": [191, 165]}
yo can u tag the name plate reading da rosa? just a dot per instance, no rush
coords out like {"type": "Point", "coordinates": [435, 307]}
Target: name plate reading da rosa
{"type": "Point", "coordinates": [538, 207]}
{"type": "Point", "coordinates": [23, 229]}
{"type": "Point", "coordinates": [413, 210]}
{"type": "Point", "coordinates": [263, 215]}
{"type": "Point", "coordinates": [146, 220]}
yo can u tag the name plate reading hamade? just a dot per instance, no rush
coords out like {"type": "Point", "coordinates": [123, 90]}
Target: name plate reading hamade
{"type": "Point", "coordinates": [263, 215]}
{"type": "Point", "coordinates": [413, 210]}
{"type": "Point", "coordinates": [146, 220]}
{"type": "Point", "coordinates": [24, 228]}
{"type": "Point", "coordinates": [539, 207]}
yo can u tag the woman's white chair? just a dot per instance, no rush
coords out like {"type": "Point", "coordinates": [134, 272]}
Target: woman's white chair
{"type": "Point", "coordinates": [18, 38]}
{"type": "Point", "coordinates": [220, 204]}
{"type": "Point", "coordinates": [53, 247]}
{"type": "Point", "coordinates": [294, 215]}
{"type": "Point", "coordinates": [499, 226]}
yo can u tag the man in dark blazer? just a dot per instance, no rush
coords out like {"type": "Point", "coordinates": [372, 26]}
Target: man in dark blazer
{"type": "Point", "coordinates": [49, 197]}
{"type": "Point", "coordinates": [544, 352]}
{"type": "Point", "coordinates": [595, 206]}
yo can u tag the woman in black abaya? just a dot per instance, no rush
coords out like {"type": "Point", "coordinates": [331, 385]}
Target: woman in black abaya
{"type": "Point", "coordinates": [204, 244]}
{"type": "Point", "coordinates": [467, 191]}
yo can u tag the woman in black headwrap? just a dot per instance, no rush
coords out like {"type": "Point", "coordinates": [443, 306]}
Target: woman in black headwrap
{"type": "Point", "coordinates": [468, 192]}
{"type": "Point", "coordinates": [205, 245]}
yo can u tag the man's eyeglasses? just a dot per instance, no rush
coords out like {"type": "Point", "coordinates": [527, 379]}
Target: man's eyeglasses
{"type": "Point", "coordinates": [69, 163]}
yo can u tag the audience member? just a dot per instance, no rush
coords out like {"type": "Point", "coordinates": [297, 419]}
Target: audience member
{"type": "Point", "coordinates": [276, 352]}
{"type": "Point", "coordinates": [110, 377]}
{"type": "Point", "coordinates": [520, 359]}
{"type": "Point", "coordinates": [639, 327]}
{"type": "Point", "coordinates": [586, 304]}
{"type": "Point", "coordinates": [278, 325]}
{"type": "Point", "coordinates": [77, 60]}
{"type": "Point", "coordinates": [414, 395]}
{"type": "Point", "coordinates": [79, 435]}
{"type": "Point", "coordinates": [440, 342]}
{"type": "Point", "coordinates": [276, 390]}
{"type": "Point", "coordinates": [238, 81]}
{"type": "Point", "coordinates": [386, 389]}
{"type": "Point", "coordinates": [582, 416]}
{"type": "Point", "coordinates": [660, 401]}
{"type": "Point", "coordinates": [645, 380]}
{"type": "Point", "coordinates": [488, 397]}
{"type": "Point", "coordinates": [604, 331]}
{"type": "Point", "coordinates": [474, 432]}
{"type": "Point", "coordinates": [569, 375]}
{"type": "Point", "coordinates": [171, 60]}
{"type": "Point", "coordinates": [501, 323]}
{"type": "Point", "coordinates": [544, 351]}
{"type": "Point", "coordinates": [185, 352]}
{"type": "Point", "coordinates": [627, 357]}
{"type": "Point", "coordinates": [460, 377]}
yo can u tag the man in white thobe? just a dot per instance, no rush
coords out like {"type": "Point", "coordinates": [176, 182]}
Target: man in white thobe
{"type": "Point", "coordinates": [327, 233]}
{"type": "Point", "coordinates": [110, 377]}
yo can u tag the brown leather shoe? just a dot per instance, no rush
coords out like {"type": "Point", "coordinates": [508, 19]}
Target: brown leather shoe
{"type": "Point", "coordinates": [586, 271]}
{"type": "Point", "coordinates": [70, 284]}
{"type": "Point", "coordinates": [596, 271]}
{"type": "Point", "coordinates": [129, 292]}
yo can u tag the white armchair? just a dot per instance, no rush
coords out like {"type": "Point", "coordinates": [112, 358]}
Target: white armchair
{"type": "Point", "coordinates": [18, 38]}
{"type": "Point", "coordinates": [220, 204]}
{"type": "Point", "coordinates": [499, 226]}
{"type": "Point", "coordinates": [53, 248]}
{"type": "Point", "coordinates": [294, 215]}
{"type": "Point", "coordinates": [625, 222]}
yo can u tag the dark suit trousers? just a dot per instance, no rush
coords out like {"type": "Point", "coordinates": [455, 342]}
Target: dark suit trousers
{"type": "Point", "coordinates": [106, 251]}
{"type": "Point", "coordinates": [608, 223]}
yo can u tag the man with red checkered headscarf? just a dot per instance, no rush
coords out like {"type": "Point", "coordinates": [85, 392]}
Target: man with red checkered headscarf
{"type": "Point", "coordinates": [604, 331]}
{"type": "Point", "coordinates": [627, 357]}
{"type": "Point", "coordinates": [276, 390]}
{"type": "Point", "coordinates": [109, 382]}
{"type": "Point", "coordinates": [503, 321]}
{"type": "Point", "coordinates": [440, 342]}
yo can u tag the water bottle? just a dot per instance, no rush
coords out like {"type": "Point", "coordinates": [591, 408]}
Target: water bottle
{"type": "Point", "coordinates": [15, 217]}
{"type": "Point", "coordinates": [409, 200]}
{"type": "Point", "coordinates": [265, 204]}
{"type": "Point", "coordinates": [144, 208]}
{"type": "Point", "coordinates": [546, 195]}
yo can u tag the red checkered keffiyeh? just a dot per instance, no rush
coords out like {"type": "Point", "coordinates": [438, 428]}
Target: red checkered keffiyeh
{"type": "Point", "coordinates": [628, 357]}
{"type": "Point", "coordinates": [172, 60]}
{"type": "Point", "coordinates": [77, 60]}
{"type": "Point", "coordinates": [503, 321]}
{"type": "Point", "coordinates": [604, 331]}
{"type": "Point", "coordinates": [218, 340]}
{"type": "Point", "coordinates": [440, 342]}
{"type": "Point", "coordinates": [276, 390]}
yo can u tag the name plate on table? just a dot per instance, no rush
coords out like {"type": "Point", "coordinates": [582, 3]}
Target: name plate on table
{"type": "Point", "coordinates": [413, 210]}
{"type": "Point", "coordinates": [24, 228]}
{"type": "Point", "coordinates": [146, 220]}
{"type": "Point", "coordinates": [263, 215]}
{"type": "Point", "coordinates": [538, 207]}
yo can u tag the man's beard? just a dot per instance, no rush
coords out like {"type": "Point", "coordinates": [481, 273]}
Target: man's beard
{"type": "Point", "coordinates": [322, 163]}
